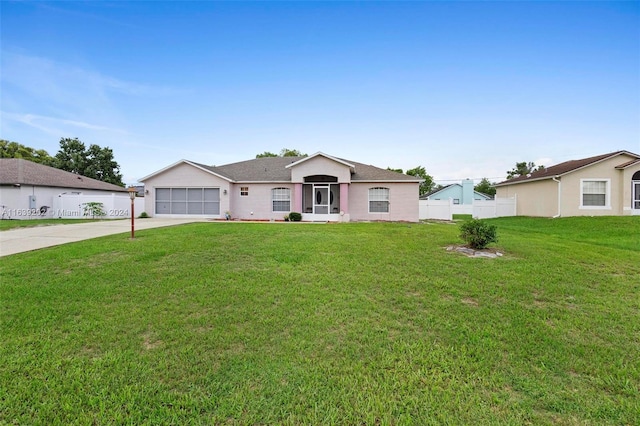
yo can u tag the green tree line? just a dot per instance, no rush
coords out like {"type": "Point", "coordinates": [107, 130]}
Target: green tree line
{"type": "Point", "coordinates": [94, 162]}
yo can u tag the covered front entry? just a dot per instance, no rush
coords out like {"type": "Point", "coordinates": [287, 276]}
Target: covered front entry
{"type": "Point", "coordinates": [321, 201]}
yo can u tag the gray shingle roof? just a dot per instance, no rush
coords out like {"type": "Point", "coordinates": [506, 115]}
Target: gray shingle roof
{"type": "Point", "coordinates": [273, 169]}
{"type": "Point", "coordinates": [266, 169]}
{"type": "Point", "coordinates": [17, 171]}
{"type": "Point", "coordinates": [564, 168]}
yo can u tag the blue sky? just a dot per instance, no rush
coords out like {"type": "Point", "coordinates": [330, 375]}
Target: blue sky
{"type": "Point", "coordinates": [465, 89]}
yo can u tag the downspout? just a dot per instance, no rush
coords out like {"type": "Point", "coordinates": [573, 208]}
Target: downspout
{"type": "Point", "coordinates": [555, 179]}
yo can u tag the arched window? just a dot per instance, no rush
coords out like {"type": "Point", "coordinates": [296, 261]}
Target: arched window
{"type": "Point", "coordinates": [281, 199]}
{"type": "Point", "coordinates": [378, 200]}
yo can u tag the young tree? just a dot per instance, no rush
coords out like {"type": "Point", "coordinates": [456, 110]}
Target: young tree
{"type": "Point", "coordinates": [523, 169]}
{"type": "Point", "coordinates": [486, 187]}
{"type": "Point", "coordinates": [428, 184]}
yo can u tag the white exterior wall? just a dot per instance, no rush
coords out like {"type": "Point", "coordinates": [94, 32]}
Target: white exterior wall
{"type": "Point", "coordinates": [16, 199]}
{"type": "Point", "coordinates": [320, 166]}
{"type": "Point", "coordinates": [403, 199]}
{"type": "Point", "coordinates": [185, 176]}
{"type": "Point", "coordinates": [258, 204]}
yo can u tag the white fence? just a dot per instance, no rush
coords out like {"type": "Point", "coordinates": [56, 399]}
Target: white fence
{"type": "Point", "coordinates": [74, 206]}
{"type": "Point", "coordinates": [436, 209]}
{"type": "Point", "coordinates": [480, 209]}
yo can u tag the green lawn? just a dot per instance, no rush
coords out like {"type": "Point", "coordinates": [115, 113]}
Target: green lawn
{"type": "Point", "coordinates": [305, 324]}
{"type": "Point", "coordinates": [13, 224]}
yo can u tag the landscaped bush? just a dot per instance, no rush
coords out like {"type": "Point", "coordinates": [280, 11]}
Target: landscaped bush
{"type": "Point", "coordinates": [295, 217]}
{"type": "Point", "coordinates": [94, 209]}
{"type": "Point", "coordinates": [478, 234]}
{"type": "Point", "coordinates": [143, 215]}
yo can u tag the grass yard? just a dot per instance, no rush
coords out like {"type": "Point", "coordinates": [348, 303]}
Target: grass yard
{"type": "Point", "coordinates": [13, 224]}
{"type": "Point", "coordinates": [359, 324]}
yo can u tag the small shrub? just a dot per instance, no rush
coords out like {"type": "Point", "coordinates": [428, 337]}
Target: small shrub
{"type": "Point", "coordinates": [143, 215]}
{"type": "Point", "coordinates": [93, 209]}
{"type": "Point", "coordinates": [478, 234]}
{"type": "Point", "coordinates": [286, 218]}
{"type": "Point", "coordinates": [295, 217]}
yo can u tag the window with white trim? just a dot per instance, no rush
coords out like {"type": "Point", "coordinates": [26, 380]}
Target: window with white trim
{"type": "Point", "coordinates": [378, 200]}
{"type": "Point", "coordinates": [281, 199]}
{"type": "Point", "coordinates": [244, 191]}
{"type": "Point", "coordinates": [594, 193]}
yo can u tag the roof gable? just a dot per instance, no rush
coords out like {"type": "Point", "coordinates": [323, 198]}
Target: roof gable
{"type": "Point", "coordinates": [322, 154]}
{"type": "Point", "coordinates": [18, 171]}
{"type": "Point", "coordinates": [207, 169]}
{"type": "Point", "coordinates": [567, 167]}
{"type": "Point", "coordinates": [439, 190]}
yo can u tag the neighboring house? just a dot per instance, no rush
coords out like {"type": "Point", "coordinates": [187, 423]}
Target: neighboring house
{"type": "Point", "coordinates": [458, 193]}
{"type": "Point", "coordinates": [28, 189]}
{"type": "Point", "coordinates": [607, 184]}
{"type": "Point", "coordinates": [321, 187]}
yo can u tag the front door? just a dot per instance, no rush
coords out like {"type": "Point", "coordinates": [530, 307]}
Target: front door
{"type": "Point", "coordinates": [636, 197]}
{"type": "Point", "coordinates": [321, 200]}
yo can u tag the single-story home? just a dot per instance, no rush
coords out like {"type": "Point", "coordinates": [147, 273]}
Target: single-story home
{"type": "Point", "coordinates": [604, 185]}
{"type": "Point", "coordinates": [320, 187]}
{"type": "Point", "coordinates": [28, 189]}
{"type": "Point", "coordinates": [459, 193]}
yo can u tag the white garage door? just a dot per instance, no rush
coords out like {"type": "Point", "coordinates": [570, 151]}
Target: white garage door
{"type": "Point", "coordinates": [191, 201]}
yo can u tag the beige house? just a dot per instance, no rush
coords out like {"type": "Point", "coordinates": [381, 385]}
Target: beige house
{"type": "Point", "coordinates": [604, 185]}
{"type": "Point", "coordinates": [320, 187]}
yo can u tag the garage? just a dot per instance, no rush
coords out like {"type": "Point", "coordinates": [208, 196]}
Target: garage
{"type": "Point", "coordinates": [188, 201]}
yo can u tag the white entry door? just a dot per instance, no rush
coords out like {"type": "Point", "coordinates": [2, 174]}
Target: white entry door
{"type": "Point", "coordinates": [321, 205]}
{"type": "Point", "coordinates": [636, 197]}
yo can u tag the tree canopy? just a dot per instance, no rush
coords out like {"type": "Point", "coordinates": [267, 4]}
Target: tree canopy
{"type": "Point", "coordinates": [395, 170]}
{"type": "Point", "coordinates": [522, 169]}
{"type": "Point", "coordinates": [284, 152]}
{"type": "Point", "coordinates": [10, 149]}
{"type": "Point", "coordinates": [94, 162]}
{"type": "Point", "coordinates": [485, 187]}
{"type": "Point", "coordinates": [427, 184]}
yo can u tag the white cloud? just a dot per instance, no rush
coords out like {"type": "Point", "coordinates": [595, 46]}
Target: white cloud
{"type": "Point", "coordinates": [53, 125]}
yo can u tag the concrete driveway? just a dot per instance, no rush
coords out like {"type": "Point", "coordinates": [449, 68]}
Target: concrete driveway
{"type": "Point", "coordinates": [25, 239]}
